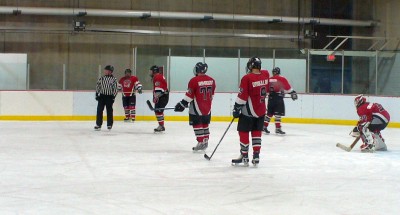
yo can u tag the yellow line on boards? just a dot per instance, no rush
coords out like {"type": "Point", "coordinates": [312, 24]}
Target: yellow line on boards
{"type": "Point", "coordinates": [184, 118]}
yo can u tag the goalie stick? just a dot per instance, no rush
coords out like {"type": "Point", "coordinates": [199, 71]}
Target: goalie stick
{"type": "Point", "coordinates": [156, 109]}
{"type": "Point", "coordinates": [348, 149]}
{"type": "Point", "coordinates": [209, 157]}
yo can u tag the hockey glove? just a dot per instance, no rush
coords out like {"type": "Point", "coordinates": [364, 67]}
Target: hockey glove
{"type": "Point", "coordinates": [293, 95]}
{"type": "Point", "coordinates": [180, 106]}
{"type": "Point", "coordinates": [139, 89]}
{"type": "Point", "coordinates": [236, 110]}
{"type": "Point", "coordinates": [355, 132]}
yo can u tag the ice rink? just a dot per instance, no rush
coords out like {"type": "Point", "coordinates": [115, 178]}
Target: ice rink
{"type": "Point", "coordinates": [68, 168]}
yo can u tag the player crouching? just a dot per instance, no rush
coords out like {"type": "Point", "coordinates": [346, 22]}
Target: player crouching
{"type": "Point", "coordinates": [373, 119]}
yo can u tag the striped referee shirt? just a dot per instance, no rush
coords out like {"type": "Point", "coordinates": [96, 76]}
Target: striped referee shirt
{"type": "Point", "coordinates": [107, 85]}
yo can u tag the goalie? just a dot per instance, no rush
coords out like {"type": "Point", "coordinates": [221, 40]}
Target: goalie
{"type": "Point", "coordinates": [373, 119]}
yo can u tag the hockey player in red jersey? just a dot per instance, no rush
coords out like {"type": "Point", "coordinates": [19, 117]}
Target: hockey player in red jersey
{"type": "Point", "coordinates": [129, 84]}
{"type": "Point", "coordinates": [373, 119]}
{"type": "Point", "coordinates": [278, 86]}
{"type": "Point", "coordinates": [160, 95]}
{"type": "Point", "coordinates": [199, 97]}
{"type": "Point", "coordinates": [250, 109]}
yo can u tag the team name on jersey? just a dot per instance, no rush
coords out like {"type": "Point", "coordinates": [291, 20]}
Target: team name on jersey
{"type": "Point", "coordinates": [202, 83]}
{"type": "Point", "coordinates": [260, 83]}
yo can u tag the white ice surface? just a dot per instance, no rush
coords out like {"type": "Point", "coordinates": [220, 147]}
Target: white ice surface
{"type": "Point", "coordinates": [67, 168]}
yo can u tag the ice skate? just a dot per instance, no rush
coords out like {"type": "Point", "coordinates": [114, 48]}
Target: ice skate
{"type": "Point", "coordinates": [256, 159]}
{"type": "Point", "coordinates": [132, 120]}
{"type": "Point", "coordinates": [97, 128]}
{"type": "Point", "coordinates": [109, 128]}
{"type": "Point", "coordinates": [159, 129]}
{"type": "Point", "coordinates": [279, 131]}
{"type": "Point", "coordinates": [265, 129]}
{"type": "Point", "coordinates": [127, 119]}
{"type": "Point", "coordinates": [243, 158]}
{"type": "Point", "coordinates": [200, 146]}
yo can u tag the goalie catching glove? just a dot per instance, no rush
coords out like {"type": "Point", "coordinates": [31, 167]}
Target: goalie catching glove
{"type": "Point", "coordinates": [180, 106]}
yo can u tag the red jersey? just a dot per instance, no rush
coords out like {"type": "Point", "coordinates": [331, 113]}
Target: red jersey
{"type": "Point", "coordinates": [252, 93]}
{"type": "Point", "coordinates": [367, 110]}
{"type": "Point", "coordinates": [200, 93]}
{"type": "Point", "coordinates": [279, 84]}
{"type": "Point", "coordinates": [129, 85]}
{"type": "Point", "coordinates": [159, 84]}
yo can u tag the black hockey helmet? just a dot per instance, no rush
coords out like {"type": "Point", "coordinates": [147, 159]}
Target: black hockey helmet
{"type": "Point", "coordinates": [200, 68]}
{"type": "Point", "coordinates": [109, 68]}
{"type": "Point", "coordinates": [253, 63]}
{"type": "Point", "coordinates": [128, 71]}
{"type": "Point", "coordinates": [276, 71]}
{"type": "Point", "coordinates": [154, 69]}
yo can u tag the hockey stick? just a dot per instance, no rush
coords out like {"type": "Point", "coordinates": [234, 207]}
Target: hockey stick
{"type": "Point", "coordinates": [209, 157]}
{"type": "Point", "coordinates": [157, 109]}
{"type": "Point", "coordinates": [348, 149]}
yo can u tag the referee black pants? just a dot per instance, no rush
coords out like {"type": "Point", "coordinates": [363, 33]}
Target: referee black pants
{"type": "Point", "coordinates": [107, 101]}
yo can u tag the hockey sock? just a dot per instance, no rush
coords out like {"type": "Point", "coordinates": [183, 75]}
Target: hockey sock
{"type": "Point", "coordinates": [244, 142]}
{"type": "Point", "coordinates": [132, 110]}
{"type": "Point", "coordinates": [126, 109]}
{"type": "Point", "coordinates": [278, 121]}
{"type": "Point", "coordinates": [206, 131]}
{"type": "Point", "coordinates": [199, 132]}
{"type": "Point", "coordinates": [160, 118]}
{"type": "Point", "coordinates": [256, 141]}
{"type": "Point", "coordinates": [267, 119]}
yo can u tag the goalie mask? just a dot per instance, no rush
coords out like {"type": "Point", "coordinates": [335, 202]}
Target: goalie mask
{"type": "Point", "coordinates": [253, 63]}
{"type": "Point", "coordinates": [200, 68]}
{"type": "Point", "coordinates": [359, 100]}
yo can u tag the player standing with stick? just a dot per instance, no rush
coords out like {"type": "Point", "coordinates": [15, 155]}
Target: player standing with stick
{"type": "Point", "coordinates": [160, 95]}
{"type": "Point", "coordinates": [250, 109]}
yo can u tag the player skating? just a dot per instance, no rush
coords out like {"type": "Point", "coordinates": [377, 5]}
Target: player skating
{"type": "Point", "coordinates": [160, 95]}
{"type": "Point", "coordinates": [278, 87]}
{"type": "Point", "coordinates": [373, 119]}
{"type": "Point", "coordinates": [250, 109]}
{"type": "Point", "coordinates": [129, 85]}
{"type": "Point", "coordinates": [199, 97]}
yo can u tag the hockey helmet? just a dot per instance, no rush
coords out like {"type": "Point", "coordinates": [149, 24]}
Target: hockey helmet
{"type": "Point", "coordinates": [154, 69]}
{"type": "Point", "coordinates": [359, 100]}
{"type": "Point", "coordinates": [109, 68]}
{"type": "Point", "coordinates": [276, 71]}
{"type": "Point", "coordinates": [128, 71]}
{"type": "Point", "coordinates": [253, 63]}
{"type": "Point", "coordinates": [200, 68]}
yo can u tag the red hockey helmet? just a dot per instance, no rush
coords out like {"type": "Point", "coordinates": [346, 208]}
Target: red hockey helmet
{"type": "Point", "coordinates": [359, 100]}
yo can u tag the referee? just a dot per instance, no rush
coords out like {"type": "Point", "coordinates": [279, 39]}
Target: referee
{"type": "Point", "coordinates": [106, 90]}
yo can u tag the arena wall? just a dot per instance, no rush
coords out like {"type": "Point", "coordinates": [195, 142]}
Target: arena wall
{"type": "Point", "coordinates": [81, 105]}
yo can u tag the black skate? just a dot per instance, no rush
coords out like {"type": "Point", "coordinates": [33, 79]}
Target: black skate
{"type": "Point", "coordinates": [200, 146]}
{"type": "Point", "coordinates": [279, 131]}
{"type": "Point", "coordinates": [265, 129]}
{"type": "Point", "coordinates": [159, 129]}
{"type": "Point", "coordinates": [127, 119]}
{"type": "Point", "coordinates": [97, 128]}
{"type": "Point", "coordinates": [132, 120]}
{"type": "Point", "coordinates": [243, 158]}
{"type": "Point", "coordinates": [109, 128]}
{"type": "Point", "coordinates": [256, 159]}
